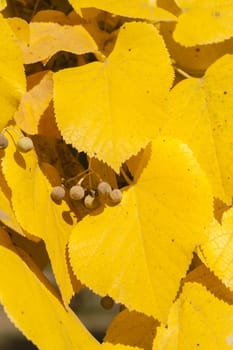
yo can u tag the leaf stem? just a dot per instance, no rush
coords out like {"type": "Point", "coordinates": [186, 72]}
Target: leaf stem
{"type": "Point", "coordinates": [125, 176]}
{"type": "Point", "coordinates": [183, 73]}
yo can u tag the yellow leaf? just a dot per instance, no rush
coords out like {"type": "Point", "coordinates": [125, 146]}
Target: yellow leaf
{"type": "Point", "coordinates": [200, 114]}
{"type": "Point", "coordinates": [135, 8]}
{"type": "Point", "coordinates": [204, 22]}
{"type": "Point", "coordinates": [112, 109]}
{"type": "Point", "coordinates": [33, 104]}
{"type": "Point", "coordinates": [7, 216]}
{"type": "Point", "coordinates": [108, 346]}
{"type": "Point", "coordinates": [218, 248]}
{"type": "Point", "coordinates": [197, 320]}
{"type": "Point", "coordinates": [132, 328]}
{"type": "Point", "coordinates": [104, 172]}
{"type": "Point", "coordinates": [2, 4]}
{"type": "Point", "coordinates": [48, 38]}
{"type": "Point", "coordinates": [204, 276]}
{"type": "Point", "coordinates": [54, 16]}
{"type": "Point", "coordinates": [35, 210]}
{"type": "Point", "coordinates": [34, 307]}
{"type": "Point", "coordinates": [196, 59]}
{"type": "Point", "coordinates": [21, 29]}
{"type": "Point", "coordinates": [34, 248]}
{"type": "Point", "coordinates": [165, 211]}
{"type": "Point", "coordinates": [13, 81]}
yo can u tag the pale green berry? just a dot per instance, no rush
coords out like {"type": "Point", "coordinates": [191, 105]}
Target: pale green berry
{"type": "Point", "coordinates": [24, 144]}
{"type": "Point", "coordinates": [90, 202]}
{"type": "Point", "coordinates": [58, 193]}
{"type": "Point", "coordinates": [3, 141]}
{"type": "Point", "coordinates": [104, 188]}
{"type": "Point", "coordinates": [77, 192]}
{"type": "Point", "coordinates": [115, 195]}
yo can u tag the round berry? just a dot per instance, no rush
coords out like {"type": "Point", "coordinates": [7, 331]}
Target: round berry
{"type": "Point", "coordinates": [24, 144]}
{"type": "Point", "coordinates": [115, 195]}
{"type": "Point", "coordinates": [90, 202]}
{"type": "Point", "coordinates": [107, 302]}
{"type": "Point", "coordinates": [77, 192]}
{"type": "Point", "coordinates": [3, 141]}
{"type": "Point", "coordinates": [58, 193]}
{"type": "Point", "coordinates": [104, 188]}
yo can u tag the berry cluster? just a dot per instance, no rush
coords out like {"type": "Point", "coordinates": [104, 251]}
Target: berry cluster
{"type": "Point", "coordinates": [91, 198]}
{"type": "Point", "coordinates": [23, 144]}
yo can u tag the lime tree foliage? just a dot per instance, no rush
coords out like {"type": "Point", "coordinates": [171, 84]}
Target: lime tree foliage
{"type": "Point", "coordinates": [116, 147]}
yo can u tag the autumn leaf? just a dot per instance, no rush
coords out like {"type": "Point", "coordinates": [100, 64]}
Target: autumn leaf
{"type": "Point", "coordinates": [46, 39]}
{"type": "Point", "coordinates": [54, 327]}
{"type": "Point", "coordinates": [217, 250]}
{"type": "Point", "coordinates": [132, 328]}
{"type": "Point", "coordinates": [203, 22]}
{"type": "Point", "coordinates": [207, 278]}
{"type": "Point", "coordinates": [197, 320]}
{"type": "Point", "coordinates": [200, 114]}
{"type": "Point", "coordinates": [166, 210]}
{"type": "Point", "coordinates": [109, 346]}
{"type": "Point", "coordinates": [112, 109]}
{"type": "Point", "coordinates": [54, 16]}
{"type": "Point", "coordinates": [33, 104]}
{"type": "Point", "coordinates": [135, 9]}
{"type": "Point", "coordinates": [2, 4]}
{"type": "Point", "coordinates": [7, 216]}
{"type": "Point", "coordinates": [36, 212]}
{"type": "Point", "coordinates": [21, 29]}
{"type": "Point", "coordinates": [13, 81]}
{"type": "Point", "coordinates": [193, 60]}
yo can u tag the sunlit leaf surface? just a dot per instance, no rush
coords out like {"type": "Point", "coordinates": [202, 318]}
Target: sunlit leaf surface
{"type": "Point", "coordinates": [33, 104]}
{"type": "Point", "coordinates": [207, 278]}
{"type": "Point", "coordinates": [204, 21]}
{"type": "Point", "coordinates": [7, 216]}
{"type": "Point", "coordinates": [35, 308]}
{"type": "Point", "coordinates": [133, 8]}
{"type": "Point", "coordinates": [35, 210]}
{"type": "Point", "coordinates": [165, 211]}
{"type": "Point", "coordinates": [12, 77]}
{"type": "Point", "coordinates": [46, 39]}
{"type": "Point", "coordinates": [217, 251]}
{"type": "Point", "coordinates": [112, 109]}
{"type": "Point", "coordinates": [197, 320]}
{"type": "Point", "coordinates": [200, 114]}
